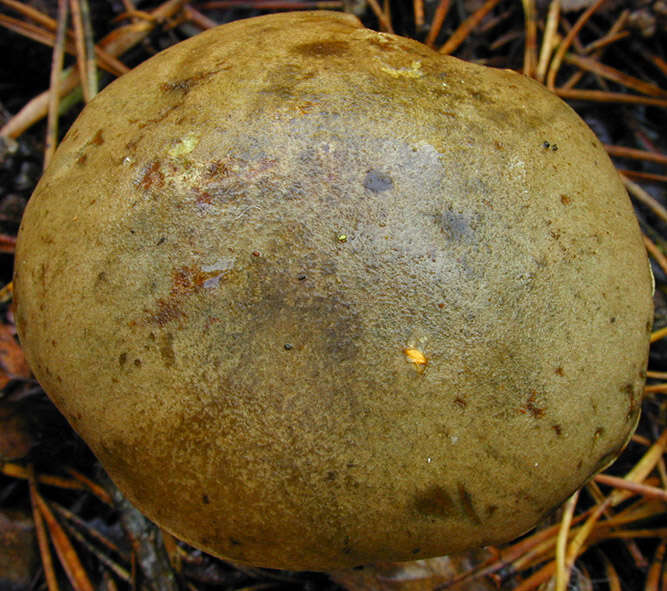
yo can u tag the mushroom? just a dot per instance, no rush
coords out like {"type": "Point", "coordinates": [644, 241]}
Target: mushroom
{"type": "Point", "coordinates": [317, 296]}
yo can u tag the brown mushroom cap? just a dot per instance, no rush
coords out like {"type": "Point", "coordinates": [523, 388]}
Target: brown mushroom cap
{"type": "Point", "coordinates": [317, 296]}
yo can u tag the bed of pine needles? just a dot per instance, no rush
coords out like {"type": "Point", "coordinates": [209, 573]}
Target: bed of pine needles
{"type": "Point", "coordinates": [62, 523]}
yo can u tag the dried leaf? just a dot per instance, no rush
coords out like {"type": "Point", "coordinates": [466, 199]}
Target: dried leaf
{"type": "Point", "coordinates": [18, 558]}
{"type": "Point", "coordinates": [15, 438]}
{"type": "Point", "coordinates": [12, 360]}
{"type": "Point", "coordinates": [418, 575]}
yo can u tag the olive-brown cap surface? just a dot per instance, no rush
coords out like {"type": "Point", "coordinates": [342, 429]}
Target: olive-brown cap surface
{"type": "Point", "coordinates": [317, 296]}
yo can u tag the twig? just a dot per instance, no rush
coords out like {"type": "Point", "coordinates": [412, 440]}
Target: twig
{"type": "Point", "coordinates": [466, 26]}
{"type": "Point", "coordinates": [90, 531]}
{"type": "Point", "coordinates": [16, 471]}
{"type": "Point", "coordinates": [606, 41]}
{"type": "Point", "coordinates": [101, 556]}
{"type": "Point", "coordinates": [530, 46]}
{"type": "Point", "coordinates": [563, 567]}
{"type": "Point", "coordinates": [438, 20]}
{"type": "Point", "coordinates": [42, 538]}
{"type": "Point", "coordinates": [656, 336]}
{"type": "Point", "coordinates": [650, 492]}
{"type": "Point", "coordinates": [54, 87]}
{"type": "Point", "coordinates": [418, 9]}
{"type": "Point", "coordinates": [623, 152]}
{"type": "Point", "coordinates": [592, 65]}
{"type": "Point", "coordinates": [147, 543]}
{"type": "Point", "coordinates": [657, 570]}
{"type": "Point", "coordinates": [565, 45]}
{"type": "Point", "coordinates": [659, 258]}
{"type": "Point", "coordinates": [106, 61]}
{"type": "Point", "coordinates": [199, 19]}
{"type": "Point", "coordinates": [645, 198]}
{"type": "Point", "coordinates": [609, 97]}
{"type": "Point", "coordinates": [618, 25]}
{"type": "Point", "coordinates": [77, 21]}
{"type": "Point", "coordinates": [549, 39]}
{"type": "Point", "coordinates": [385, 23]}
{"type": "Point", "coordinates": [115, 43]}
{"type": "Point", "coordinates": [89, 41]}
{"type": "Point", "coordinates": [649, 177]}
{"type": "Point", "coordinates": [64, 549]}
{"type": "Point", "coordinates": [92, 486]}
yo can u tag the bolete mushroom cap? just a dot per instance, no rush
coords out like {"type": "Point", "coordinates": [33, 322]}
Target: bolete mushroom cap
{"type": "Point", "coordinates": [318, 296]}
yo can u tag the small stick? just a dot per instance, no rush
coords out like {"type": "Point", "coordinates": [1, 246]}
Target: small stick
{"type": "Point", "coordinates": [16, 471]}
{"type": "Point", "coordinates": [659, 258]}
{"type": "Point", "coordinates": [64, 549]}
{"type": "Point", "coordinates": [615, 28]}
{"type": "Point", "coordinates": [89, 40]}
{"type": "Point", "coordinates": [92, 486]}
{"type": "Point", "coordinates": [466, 26]}
{"type": "Point", "coordinates": [199, 19]}
{"type": "Point", "coordinates": [650, 177]}
{"type": "Point", "coordinates": [42, 538]}
{"type": "Point", "coordinates": [115, 43]}
{"type": "Point", "coordinates": [609, 97]}
{"type": "Point", "coordinates": [77, 21]}
{"type": "Point", "coordinates": [656, 335]}
{"type": "Point", "coordinates": [563, 566]}
{"type": "Point", "coordinates": [418, 7]}
{"type": "Point", "coordinates": [592, 65]}
{"type": "Point", "coordinates": [31, 13]}
{"type": "Point", "coordinates": [385, 23]}
{"type": "Point", "coordinates": [656, 388]}
{"type": "Point", "coordinates": [606, 41]}
{"type": "Point", "coordinates": [565, 45]}
{"type": "Point", "coordinates": [54, 88]}
{"type": "Point", "coordinates": [657, 570]}
{"type": "Point", "coordinates": [438, 20]}
{"type": "Point", "coordinates": [623, 152]}
{"type": "Point", "coordinates": [530, 46]}
{"type": "Point", "coordinates": [646, 198]}
{"type": "Point", "coordinates": [549, 39]}
{"type": "Point", "coordinates": [651, 492]}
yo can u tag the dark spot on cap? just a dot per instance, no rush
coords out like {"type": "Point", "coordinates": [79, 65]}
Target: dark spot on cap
{"type": "Point", "coordinates": [98, 138]}
{"type": "Point", "coordinates": [122, 359]}
{"type": "Point", "coordinates": [435, 500]}
{"type": "Point", "coordinates": [205, 499]}
{"type": "Point", "coordinates": [565, 199]}
{"type": "Point", "coordinates": [288, 346]}
{"type": "Point", "coordinates": [377, 181]}
{"type": "Point", "coordinates": [557, 429]}
{"type": "Point", "coordinates": [467, 504]}
{"type": "Point", "coordinates": [323, 48]}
